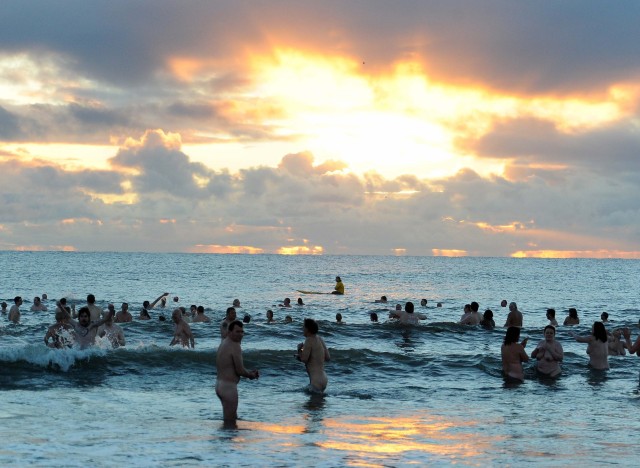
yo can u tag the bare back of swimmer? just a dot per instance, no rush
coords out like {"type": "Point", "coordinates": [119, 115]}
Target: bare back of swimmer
{"type": "Point", "coordinates": [314, 353]}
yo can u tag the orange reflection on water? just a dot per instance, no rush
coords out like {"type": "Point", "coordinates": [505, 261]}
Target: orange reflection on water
{"type": "Point", "coordinates": [382, 437]}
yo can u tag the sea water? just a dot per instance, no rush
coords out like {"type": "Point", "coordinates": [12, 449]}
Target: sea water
{"type": "Point", "coordinates": [398, 395]}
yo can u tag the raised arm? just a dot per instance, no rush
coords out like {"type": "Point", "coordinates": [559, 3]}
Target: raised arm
{"type": "Point", "coordinates": [633, 348]}
{"type": "Point", "coordinates": [156, 301]}
{"type": "Point", "coordinates": [97, 323]}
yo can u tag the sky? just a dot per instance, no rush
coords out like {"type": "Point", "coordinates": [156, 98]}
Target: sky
{"type": "Point", "coordinates": [359, 127]}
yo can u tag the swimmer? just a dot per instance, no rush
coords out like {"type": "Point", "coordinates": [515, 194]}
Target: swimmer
{"type": "Point", "coordinates": [270, 316]}
{"type": "Point", "coordinates": [514, 319]}
{"type": "Point", "coordinates": [465, 313]}
{"type": "Point", "coordinates": [288, 319]}
{"type": "Point", "coordinates": [487, 321]}
{"type": "Point", "coordinates": [96, 311]}
{"type": "Point", "coordinates": [551, 316]}
{"type": "Point", "coordinates": [572, 318]}
{"type": "Point", "coordinates": [339, 318]}
{"type": "Point", "coordinates": [84, 329]}
{"type": "Point", "coordinates": [59, 332]}
{"type": "Point", "coordinates": [549, 353]}
{"type": "Point", "coordinates": [182, 333]}
{"type": "Point", "coordinates": [616, 346]}
{"type": "Point", "coordinates": [503, 303]}
{"type": "Point", "coordinates": [407, 316]}
{"type": "Point", "coordinates": [339, 287]}
{"type": "Point", "coordinates": [38, 306]}
{"type": "Point", "coordinates": [374, 317]}
{"type": "Point", "coordinates": [423, 302]}
{"type": "Point", "coordinates": [439, 304]}
{"type": "Point", "coordinates": [286, 303]}
{"type": "Point", "coordinates": [113, 332]}
{"type": "Point", "coordinates": [597, 348]}
{"type": "Point", "coordinates": [300, 303]}
{"type": "Point", "coordinates": [473, 317]}
{"type": "Point", "coordinates": [228, 318]}
{"type": "Point", "coordinates": [4, 307]}
{"type": "Point", "coordinates": [313, 352]}
{"type": "Point", "coordinates": [635, 347]}
{"type": "Point", "coordinates": [382, 300]}
{"type": "Point", "coordinates": [604, 316]}
{"type": "Point", "coordinates": [230, 368]}
{"type": "Point", "coordinates": [395, 313]}
{"type": "Point", "coordinates": [123, 315]}
{"type": "Point", "coordinates": [513, 355]}
{"type": "Point", "coordinates": [246, 319]}
{"type": "Point", "coordinates": [200, 317]}
{"type": "Point", "coordinates": [236, 303]}
{"type": "Point", "coordinates": [14, 312]}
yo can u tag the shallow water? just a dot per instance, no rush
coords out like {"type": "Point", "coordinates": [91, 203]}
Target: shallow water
{"type": "Point", "coordinates": [397, 395]}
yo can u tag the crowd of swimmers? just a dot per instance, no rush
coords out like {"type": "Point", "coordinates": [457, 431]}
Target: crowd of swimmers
{"type": "Point", "coordinates": [81, 327]}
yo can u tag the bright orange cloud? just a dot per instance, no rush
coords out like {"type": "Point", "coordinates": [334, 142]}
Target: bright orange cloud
{"type": "Point", "coordinates": [225, 249]}
{"type": "Point", "coordinates": [576, 254]}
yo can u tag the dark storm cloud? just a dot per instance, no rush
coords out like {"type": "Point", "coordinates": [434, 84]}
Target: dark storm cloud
{"type": "Point", "coordinates": [531, 47]}
{"type": "Point", "coordinates": [611, 149]}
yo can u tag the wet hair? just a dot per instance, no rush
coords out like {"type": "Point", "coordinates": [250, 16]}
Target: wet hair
{"type": "Point", "coordinates": [374, 317]}
{"type": "Point", "coordinates": [287, 300]}
{"type": "Point", "coordinates": [270, 313]}
{"type": "Point", "coordinates": [63, 301]}
{"type": "Point", "coordinates": [599, 331]}
{"type": "Point", "coordinates": [230, 309]}
{"type": "Point", "coordinates": [145, 304]}
{"type": "Point", "coordinates": [300, 301]}
{"type": "Point", "coordinates": [311, 326]}
{"type": "Point", "coordinates": [488, 314]}
{"type": "Point", "coordinates": [475, 306]}
{"type": "Point", "coordinates": [193, 306]}
{"type": "Point", "coordinates": [246, 318]}
{"type": "Point", "coordinates": [439, 304]}
{"type": "Point", "coordinates": [551, 327]}
{"type": "Point", "coordinates": [234, 324]}
{"type": "Point", "coordinates": [573, 313]}
{"type": "Point", "coordinates": [84, 311]}
{"type": "Point", "coordinates": [200, 309]}
{"type": "Point", "coordinates": [513, 305]}
{"type": "Point", "coordinates": [339, 317]}
{"type": "Point", "coordinates": [551, 312]}
{"type": "Point", "coordinates": [17, 299]}
{"type": "Point", "coordinates": [384, 298]}
{"type": "Point", "coordinates": [423, 302]}
{"type": "Point", "coordinates": [467, 307]}
{"type": "Point", "coordinates": [91, 299]}
{"type": "Point", "coordinates": [408, 307]}
{"type": "Point", "coordinates": [512, 335]}
{"type": "Point", "coordinates": [604, 316]}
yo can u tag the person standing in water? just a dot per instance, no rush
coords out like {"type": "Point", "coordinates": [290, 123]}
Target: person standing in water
{"type": "Point", "coordinates": [313, 352]}
{"type": "Point", "coordinates": [513, 355]}
{"type": "Point", "coordinates": [549, 353]}
{"type": "Point", "coordinates": [339, 287]}
{"type": "Point", "coordinates": [230, 368]}
{"type": "Point", "coordinates": [597, 347]}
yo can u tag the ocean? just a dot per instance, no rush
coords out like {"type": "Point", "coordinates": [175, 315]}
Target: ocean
{"type": "Point", "coordinates": [430, 394]}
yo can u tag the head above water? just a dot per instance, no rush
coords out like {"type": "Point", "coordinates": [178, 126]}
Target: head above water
{"type": "Point", "coordinates": [512, 335]}
{"type": "Point", "coordinates": [573, 313]}
{"type": "Point", "coordinates": [311, 326]}
{"type": "Point", "coordinates": [338, 317]}
{"type": "Point", "coordinates": [91, 299]}
{"type": "Point", "coordinates": [475, 306]}
{"type": "Point", "coordinates": [236, 303]}
{"type": "Point", "coordinates": [513, 306]}
{"type": "Point", "coordinates": [551, 313]}
{"type": "Point", "coordinates": [503, 303]}
{"type": "Point", "coordinates": [423, 302]}
{"type": "Point", "coordinates": [408, 308]}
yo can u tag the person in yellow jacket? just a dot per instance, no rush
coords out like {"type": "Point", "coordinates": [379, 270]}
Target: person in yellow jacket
{"type": "Point", "coordinates": [339, 289]}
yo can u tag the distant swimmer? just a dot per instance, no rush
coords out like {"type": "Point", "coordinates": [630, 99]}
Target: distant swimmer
{"type": "Point", "coordinates": [616, 346]}
{"type": "Point", "coordinates": [551, 316]}
{"type": "Point", "coordinates": [14, 312]}
{"type": "Point", "coordinates": [270, 316]}
{"type": "Point", "coordinates": [548, 353]}
{"type": "Point", "coordinates": [339, 318]}
{"type": "Point", "coordinates": [246, 319]}
{"type": "Point", "coordinates": [228, 318]}
{"type": "Point", "coordinates": [4, 307]}
{"type": "Point", "coordinates": [572, 318]}
{"type": "Point", "coordinates": [423, 302]}
{"type": "Point", "coordinates": [60, 333]}
{"type": "Point", "coordinates": [113, 332]}
{"type": "Point", "coordinates": [288, 319]}
{"type": "Point", "coordinates": [382, 300]}
{"type": "Point", "coordinates": [465, 313]}
{"type": "Point", "coordinates": [597, 348]}
{"type": "Point", "coordinates": [487, 321]}
{"type": "Point", "coordinates": [503, 303]}
{"type": "Point", "coordinates": [604, 317]}
{"type": "Point", "coordinates": [439, 304]}
{"type": "Point", "coordinates": [473, 317]}
{"type": "Point", "coordinates": [123, 315]}
{"type": "Point", "coordinates": [182, 333]}
{"type": "Point", "coordinates": [514, 319]}
{"type": "Point", "coordinates": [513, 355]}
{"type": "Point", "coordinates": [407, 316]}
{"type": "Point", "coordinates": [300, 303]}
{"type": "Point", "coordinates": [200, 317]}
{"type": "Point", "coordinates": [286, 303]}
{"type": "Point", "coordinates": [85, 330]}
{"type": "Point", "coordinates": [38, 306]}
{"type": "Point", "coordinates": [95, 311]}
{"type": "Point", "coordinates": [339, 287]}
{"type": "Point", "coordinates": [313, 352]}
{"type": "Point", "coordinates": [230, 368]}
{"type": "Point", "coordinates": [236, 303]}
{"type": "Point", "coordinates": [374, 317]}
